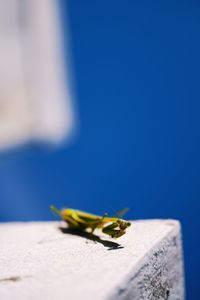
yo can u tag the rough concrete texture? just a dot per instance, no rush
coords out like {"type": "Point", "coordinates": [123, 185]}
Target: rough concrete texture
{"type": "Point", "coordinates": [39, 261]}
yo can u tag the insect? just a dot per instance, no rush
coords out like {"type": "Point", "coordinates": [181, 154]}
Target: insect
{"type": "Point", "coordinates": [80, 220]}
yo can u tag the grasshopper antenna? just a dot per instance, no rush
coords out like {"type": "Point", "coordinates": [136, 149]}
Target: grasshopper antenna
{"type": "Point", "coordinates": [121, 213]}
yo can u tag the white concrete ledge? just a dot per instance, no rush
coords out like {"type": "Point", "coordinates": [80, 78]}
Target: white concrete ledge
{"type": "Point", "coordinates": [38, 261]}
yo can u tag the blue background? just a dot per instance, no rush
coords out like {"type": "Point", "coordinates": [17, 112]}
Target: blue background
{"type": "Point", "coordinates": [137, 66]}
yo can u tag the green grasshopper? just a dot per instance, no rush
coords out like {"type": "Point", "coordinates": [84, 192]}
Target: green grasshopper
{"type": "Point", "coordinates": [82, 221]}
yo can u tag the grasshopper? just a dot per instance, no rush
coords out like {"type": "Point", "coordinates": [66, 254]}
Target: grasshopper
{"type": "Point", "coordinates": [82, 221]}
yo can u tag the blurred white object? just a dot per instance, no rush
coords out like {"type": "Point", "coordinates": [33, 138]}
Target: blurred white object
{"type": "Point", "coordinates": [35, 98]}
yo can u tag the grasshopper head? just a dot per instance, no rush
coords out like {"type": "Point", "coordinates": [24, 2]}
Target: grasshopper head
{"type": "Point", "coordinates": [123, 224]}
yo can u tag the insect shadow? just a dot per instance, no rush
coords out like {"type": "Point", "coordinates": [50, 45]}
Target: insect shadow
{"type": "Point", "coordinates": [109, 244]}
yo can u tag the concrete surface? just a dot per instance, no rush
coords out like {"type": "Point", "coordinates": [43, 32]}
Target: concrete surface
{"type": "Point", "coordinates": [38, 261]}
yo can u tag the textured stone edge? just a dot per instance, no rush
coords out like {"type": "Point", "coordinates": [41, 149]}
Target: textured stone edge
{"type": "Point", "coordinates": [158, 275]}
